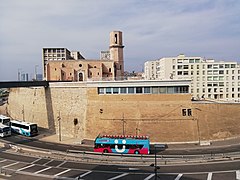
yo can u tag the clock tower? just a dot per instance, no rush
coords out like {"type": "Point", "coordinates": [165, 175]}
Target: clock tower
{"type": "Point", "coordinates": [116, 54]}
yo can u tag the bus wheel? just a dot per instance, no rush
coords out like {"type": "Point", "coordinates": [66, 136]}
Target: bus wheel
{"type": "Point", "coordinates": [136, 152]}
{"type": "Point", "coordinates": [105, 151]}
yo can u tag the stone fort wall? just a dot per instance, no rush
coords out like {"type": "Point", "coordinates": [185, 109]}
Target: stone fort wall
{"type": "Point", "coordinates": [84, 114]}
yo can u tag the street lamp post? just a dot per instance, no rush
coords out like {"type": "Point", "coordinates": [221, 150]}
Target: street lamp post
{"type": "Point", "coordinates": [155, 160]}
{"type": "Point", "coordinates": [19, 74]}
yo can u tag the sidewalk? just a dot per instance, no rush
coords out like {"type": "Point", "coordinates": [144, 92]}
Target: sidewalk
{"type": "Point", "coordinates": [48, 137]}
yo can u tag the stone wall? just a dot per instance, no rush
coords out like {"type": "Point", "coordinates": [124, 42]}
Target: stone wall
{"type": "Point", "coordinates": [51, 108]}
{"type": "Point", "coordinates": [84, 114]}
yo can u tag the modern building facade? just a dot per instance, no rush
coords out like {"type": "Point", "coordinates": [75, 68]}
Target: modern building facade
{"type": "Point", "coordinates": [60, 64]}
{"type": "Point", "coordinates": [209, 79]}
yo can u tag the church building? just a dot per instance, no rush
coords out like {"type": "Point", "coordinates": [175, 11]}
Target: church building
{"type": "Point", "coordinates": [60, 64]}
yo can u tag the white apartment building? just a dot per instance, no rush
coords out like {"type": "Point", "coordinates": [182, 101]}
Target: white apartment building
{"type": "Point", "coordinates": [209, 79]}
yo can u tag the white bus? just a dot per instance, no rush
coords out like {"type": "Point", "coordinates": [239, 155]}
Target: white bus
{"type": "Point", "coordinates": [5, 130]}
{"type": "Point", "coordinates": [24, 128]}
{"type": "Point", "coordinates": [4, 120]}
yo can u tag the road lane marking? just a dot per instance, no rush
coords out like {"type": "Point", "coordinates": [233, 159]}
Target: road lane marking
{"type": "Point", "coordinates": [10, 164]}
{"type": "Point", "coordinates": [31, 165]}
{"type": "Point", "coordinates": [48, 162]}
{"type": "Point", "coordinates": [3, 160]}
{"type": "Point", "coordinates": [178, 177]}
{"type": "Point", "coordinates": [119, 176]}
{"type": "Point", "coordinates": [130, 169]}
{"type": "Point", "coordinates": [36, 160]}
{"type": "Point", "coordinates": [61, 164]}
{"type": "Point", "coordinates": [209, 177]}
{"type": "Point", "coordinates": [42, 170]}
{"type": "Point", "coordinates": [86, 173]}
{"type": "Point", "coordinates": [62, 172]}
{"type": "Point", "coordinates": [238, 174]}
{"type": "Point", "coordinates": [149, 177]}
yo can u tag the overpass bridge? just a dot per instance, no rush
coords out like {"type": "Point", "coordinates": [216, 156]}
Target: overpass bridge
{"type": "Point", "coordinates": [13, 84]}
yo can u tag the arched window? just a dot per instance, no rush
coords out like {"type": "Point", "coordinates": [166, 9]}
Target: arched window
{"type": "Point", "coordinates": [115, 38]}
{"type": "Point", "coordinates": [80, 76]}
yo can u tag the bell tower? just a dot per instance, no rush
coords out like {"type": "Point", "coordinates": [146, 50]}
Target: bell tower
{"type": "Point", "coordinates": [116, 54]}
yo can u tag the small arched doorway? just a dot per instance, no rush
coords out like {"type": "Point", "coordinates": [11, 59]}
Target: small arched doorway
{"type": "Point", "coordinates": [80, 76]}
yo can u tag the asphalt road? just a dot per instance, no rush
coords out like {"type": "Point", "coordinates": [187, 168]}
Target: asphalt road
{"type": "Point", "coordinates": [17, 166]}
{"type": "Point", "coordinates": [34, 142]}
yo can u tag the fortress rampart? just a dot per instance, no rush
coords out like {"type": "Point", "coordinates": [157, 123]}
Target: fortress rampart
{"type": "Point", "coordinates": [82, 113]}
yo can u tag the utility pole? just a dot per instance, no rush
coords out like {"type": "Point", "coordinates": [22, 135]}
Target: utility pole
{"type": "Point", "coordinates": [123, 121]}
{"type": "Point", "coordinates": [23, 113]}
{"type": "Point", "coordinates": [59, 126]}
{"type": "Point", "coordinates": [137, 130]}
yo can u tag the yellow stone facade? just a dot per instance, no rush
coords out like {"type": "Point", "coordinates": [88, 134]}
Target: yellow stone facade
{"type": "Point", "coordinates": [84, 114]}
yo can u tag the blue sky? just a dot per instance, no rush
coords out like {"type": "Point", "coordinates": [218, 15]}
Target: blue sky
{"type": "Point", "coordinates": [151, 29]}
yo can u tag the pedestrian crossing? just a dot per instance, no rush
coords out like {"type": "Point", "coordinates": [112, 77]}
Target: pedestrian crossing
{"type": "Point", "coordinates": [40, 167]}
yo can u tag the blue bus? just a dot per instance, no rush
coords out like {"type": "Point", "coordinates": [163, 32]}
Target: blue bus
{"type": "Point", "coordinates": [122, 144]}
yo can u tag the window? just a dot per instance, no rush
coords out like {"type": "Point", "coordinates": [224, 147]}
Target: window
{"type": "Point", "coordinates": [155, 90]}
{"type": "Point", "coordinates": [108, 90]}
{"type": "Point", "coordinates": [138, 89]}
{"type": "Point", "coordinates": [115, 90]}
{"type": "Point", "coordinates": [185, 66]}
{"type": "Point", "coordinates": [186, 112]}
{"type": "Point", "coordinates": [146, 90]}
{"type": "Point", "coordinates": [179, 66]}
{"type": "Point", "coordinates": [123, 90]}
{"type": "Point", "coordinates": [100, 90]}
{"type": "Point", "coordinates": [221, 72]}
{"type": "Point", "coordinates": [209, 78]}
{"type": "Point", "coordinates": [179, 72]}
{"type": "Point", "coordinates": [130, 90]}
{"type": "Point", "coordinates": [115, 38]}
{"type": "Point", "coordinates": [162, 90]}
{"type": "Point", "coordinates": [109, 70]}
{"type": "Point", "coordinates": [191, 60]}
{"type": "Point", "coordinates": [209, 66]}
{"type": "Point", "coordinates": [170, 90]}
